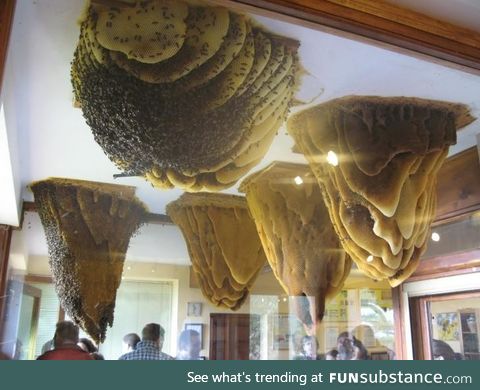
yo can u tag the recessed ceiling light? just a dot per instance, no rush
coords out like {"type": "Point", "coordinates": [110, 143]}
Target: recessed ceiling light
{"type": "Point", "coordinates": [435, 237]}
{"type": "Point", "coordinates": [369, 259]}
{"type": "Point", "coordinates": [332, 158]}
{"type": "Point", "coordinates": [129, 268]}
{"type": "Point", "coordinates": [298, 180]}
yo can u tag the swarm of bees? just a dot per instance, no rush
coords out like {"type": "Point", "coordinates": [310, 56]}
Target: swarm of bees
{"type": "Point", "coordinates": [88, 227]}
{"type": "Point", "coordinates": [184, 94]}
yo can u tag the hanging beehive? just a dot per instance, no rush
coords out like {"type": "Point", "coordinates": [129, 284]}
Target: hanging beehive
{"type": "Point", "coordinates": [298, 238]}
{"type": "Point", "coordinates": [184, 94]}
{"type": "Point", "coordinates": [88, 228]}
{"type": "Point", "coordinates": [376, 160]}
{"type": "Point", "coordinates": [224, 247]}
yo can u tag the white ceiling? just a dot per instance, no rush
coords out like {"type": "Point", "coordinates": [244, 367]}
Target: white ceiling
{"type": "Point", "coordinates": [52, 138]}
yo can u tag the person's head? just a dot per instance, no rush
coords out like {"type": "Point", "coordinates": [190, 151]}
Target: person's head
{"type": "Point", "coordinates": [331, 355]}
{"type": "Point", "coordinates": [309, 345]}
{"type": "Point", "coordinates": [97, 356]}
{"type": "Point", "coordinates": [153, 332]}
{"type": "Point", "coordinates": [66, 333]}
{"type": "Point", "coordinates": [442, 351]}
{"type": "Point", "coordinates": [87, 345]}
{"type": "Point", "coordinates": [130, 341]}
{"type": "Point", "coordinates": [345, 346]}
{"type": "Point", "coordinates": [364, 333]}
{"type": "Point", "coordinates": [359, 350]}
{"type": "Point", "coordinates": [189, 345]}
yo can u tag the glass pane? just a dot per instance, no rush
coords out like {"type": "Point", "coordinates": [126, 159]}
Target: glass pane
{"type": "Point", "coordinates": [358, 323]}
{"type": "Point", "coordinates": [455, 329]}
{"type": "Point", "coordinates": [48, 317]}
{"type": "Point", "coordinates": [454, 237]}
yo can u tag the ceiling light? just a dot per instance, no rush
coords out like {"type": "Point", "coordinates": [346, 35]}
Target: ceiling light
{"type": "Point", "coordinates": [284, 299]}
{"type": "Point", "coordinates": [298, 180]}
{"type": "Point", "coordinates": [332, 158]}
{"type": "Point", "coordinates": [435, 237]}
{"type": "Point", "coordinates": [129, 268]}
{"type": "Point", "coordinates": [369, 259]}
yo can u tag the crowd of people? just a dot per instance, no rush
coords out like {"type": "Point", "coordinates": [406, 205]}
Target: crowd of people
{"type": "Point", "coordinates": [349, 347]}
{"type": "Point", "coordinates": [66, 345]}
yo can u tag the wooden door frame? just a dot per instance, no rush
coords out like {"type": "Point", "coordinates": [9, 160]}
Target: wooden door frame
{"type": "Point", "coordinates": [5, 241]}
{"type": "Point", "coordinates": [36, 294]}
{"type": "Point", "coordinates": [420, 317]}
{"type": "Point", "coordinates": [409, 296]}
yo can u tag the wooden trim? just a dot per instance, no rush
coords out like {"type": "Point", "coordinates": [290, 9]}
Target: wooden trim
{"type": "Point", "coordinates": [5, 240]}
{"type": "Point", "coordinates": [61, 314]}
{"type": "Point", "coordinates": [160, 219]}
{"type": "Point", "coordinates": [387, 24]}
{"type": "Point", "coordinates": [451, 296]}
{"type": "Point", "coordinates": [452, 264]}
{"type": "Point", "coordinates": [34, 327]}
{"type": "Point", "coordinates": [426, 329]}
{"type": "Point", "coordinates": [38, 279]}
{"type": "Point", "coordinates": [458, 186]}
{"type": "Point", "coordinates": [399, 326]}
{"type": "Point", "coordinates": [7, 8]}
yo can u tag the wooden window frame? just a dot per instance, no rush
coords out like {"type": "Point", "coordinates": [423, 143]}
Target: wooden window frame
{"type": "Point", "coordinates": [420, 318]}
{"type": "Point", "coordinates": [380, 23]}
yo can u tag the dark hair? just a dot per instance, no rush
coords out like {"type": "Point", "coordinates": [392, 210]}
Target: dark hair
{"type": "Point", "coordinates": [186, 337]}
{"type": "Point", "coordinates": [441, 348]}
{"type": "Point", "coordinates": [65, 331]}
{"type": "Point", "coordinates": [333, 353]}
{"type": "Point", "coordinates": [97, 356]}
{"type": "Point", "coordinates": [362, 353]}
{"type": "Point", "coordinates": [91, 348]}
{"type": "Point", "coordinates": [131, 339]}
{"type": "Point", "coordinates": [152, 332]}
{"type": "Point", "coordinates": [345, 346]}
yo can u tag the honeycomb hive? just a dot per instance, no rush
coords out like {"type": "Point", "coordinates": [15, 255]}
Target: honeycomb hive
{"type": "Point", "coordinates": [376, 160]}
{"type": "Point", "coordinates": [299, 240]}
{"type": "Point", "coordinates": [88, 227]}
{"type": "Point", "coordinates": [184, 94]}
{"type": "Point", "coordinates": [224, 247]}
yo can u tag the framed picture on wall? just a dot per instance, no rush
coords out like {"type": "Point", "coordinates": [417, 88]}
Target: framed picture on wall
{"type": "Point", "coordinates": [194, 309]}
{"type": "Point", "coordinates": [198, 328]}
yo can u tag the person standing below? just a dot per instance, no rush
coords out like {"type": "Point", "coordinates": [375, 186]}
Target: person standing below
{"type": "Point", "coordinates": [150, 348]}
{"type": "Point", "coordinates": [189, 345]}
{"type": "Point", "coordinates": [308, 350]}
{"type": "Point", "coordinates": [65, 343]}
{"type": "Point", "coordinates": [130, 342]}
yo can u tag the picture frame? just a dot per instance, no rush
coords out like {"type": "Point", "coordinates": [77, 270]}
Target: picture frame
{"type": "Point", "coordinates": [198, 328]}
{"type": "Point", "coordinates": [194, 309]}
{"type": "Point", "coordinates": [448, 326]}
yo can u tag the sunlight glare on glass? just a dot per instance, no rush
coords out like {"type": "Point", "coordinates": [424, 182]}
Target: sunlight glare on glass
{"type": "Point", "coordinates": [332, 158]}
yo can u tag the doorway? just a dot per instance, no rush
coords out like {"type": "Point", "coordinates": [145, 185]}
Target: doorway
{"type": "Point", "coordinates": [446, 326]}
